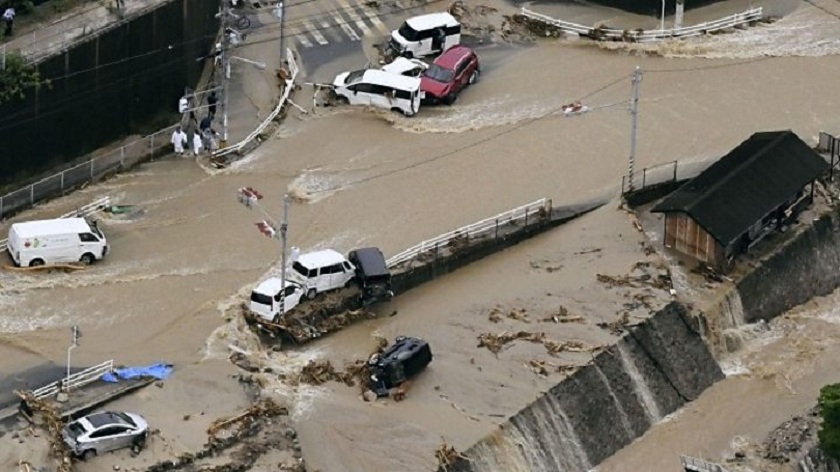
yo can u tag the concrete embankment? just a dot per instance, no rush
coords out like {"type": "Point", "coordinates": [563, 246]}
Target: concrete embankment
{"type": "Point", "coordinates": [658, 366]}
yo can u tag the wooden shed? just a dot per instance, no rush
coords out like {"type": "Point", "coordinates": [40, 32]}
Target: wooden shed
{"type": "Point", "coordinates": [758, 187]}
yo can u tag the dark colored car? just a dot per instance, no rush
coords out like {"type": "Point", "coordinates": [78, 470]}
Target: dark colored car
{"type": "Point", "coordinates": [451, 72]}
{"type": "Point", "coordinates": [372, 274]}
{"type": "Point", "coordinates": [402, 360]}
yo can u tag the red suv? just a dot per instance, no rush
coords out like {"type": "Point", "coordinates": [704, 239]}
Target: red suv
{"type": "Point", "coordinates": [449, 74]}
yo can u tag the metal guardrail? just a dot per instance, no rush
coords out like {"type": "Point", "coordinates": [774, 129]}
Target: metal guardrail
{"type": "Point", "coordinates": [475, 230]}
{"type": "Point", "coordinates": [88, 171]}
{"type": "Point", "coordinates": [79, 379]}
{"type": "Point", "coordinates": [640, 35]}
{"type": "Point", "coordinates": [287, 90]}
{"type": "Point", "coordinates": [86, 210]}
{"type": "Point", "coordinates": [692, 464]}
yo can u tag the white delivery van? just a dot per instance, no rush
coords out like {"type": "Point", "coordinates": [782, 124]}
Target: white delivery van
{"type": "Point", "coordinates": [270, 300]}
{"type": "Point", "coordinates": [379, 89]}
{"type": "Point", "coordinates": [321, 271]}
{"type": "Point", "coordinates": [59, 241]}
{"type": "Point", "coordinates": [424, 35]}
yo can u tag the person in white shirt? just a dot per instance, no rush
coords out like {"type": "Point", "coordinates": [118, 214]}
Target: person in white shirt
{"type": "Point", "coordinates": [9, 18]}
{"type": "Point", "coordinates": [179, 140]}
{"type": "Point", "coordinates": [197, 144]}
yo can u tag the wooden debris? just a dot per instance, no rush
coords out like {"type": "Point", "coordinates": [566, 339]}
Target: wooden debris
{"type": "Point", "coordinates": [618, 326]}
{"type": "Point", "coordinates": [544, 368]}
{"type": "Point", "coordinates": [266, 408]}
{"type": "Point", "coordinates": [48, 268]}
{"type": "Point", "coordinates": [496, 342]}
{"type": "Point", "coordinates": [447, 456]}
{"type": "Point", "coordinates": [519, 315]}
{"type": "Point", "coordinates": [401, 391]}
{"type": "Point", "coordinates": [563, 316]}
{"type": "Point", "coordinates": [54, 425]}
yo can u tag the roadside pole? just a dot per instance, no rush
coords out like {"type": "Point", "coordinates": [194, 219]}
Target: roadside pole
{"type": "Point", "coordinates": [634, 113]}
{"type": "Point", "coordinates": [225, 71]}
{"type": "Point", "coordinates": [250, 197]}
{"type": "Point", "coordinates": [75, 334]}
{"type": "Point", "coordinates": [284, 225]}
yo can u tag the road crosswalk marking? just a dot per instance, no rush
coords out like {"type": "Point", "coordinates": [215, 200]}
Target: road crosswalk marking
{"type": "Point", "coordinates": [337, 20]}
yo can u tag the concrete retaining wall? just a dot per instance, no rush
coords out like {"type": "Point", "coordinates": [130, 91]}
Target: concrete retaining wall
{"type": "Point", "coordinates": [657, 367]}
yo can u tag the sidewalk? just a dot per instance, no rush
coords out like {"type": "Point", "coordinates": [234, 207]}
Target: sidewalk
{"type": "Point", "coordinates": [52, 37]}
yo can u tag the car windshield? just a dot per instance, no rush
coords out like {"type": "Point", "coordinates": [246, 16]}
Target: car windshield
{"type": "Point", "coordinates": [436, 72]}
{"type": "Point", "coordinates": [260, 298]}
{"type": "Point", "coordinates": [354, 77]}
{"type": "Point", "coordinates": [127, 419]}
{"type": "Point", "coordinates": [75, 429]}
{"type": "Point", "coordinates": [300, 269]}
{"type": "Point", "coordinates": [407, 32]}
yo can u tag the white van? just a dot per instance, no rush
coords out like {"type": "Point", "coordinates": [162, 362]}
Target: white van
{"type": "Point", "coordinates": [379, 89]}
{"type": "Point", "coordinates": [64, 240]}
{"type": "Point", "coordinates": [269, 302]}
{"type": "Point", "coordinates": [407, 67]}
{"type": "Point", "coordinates": [424, 35]}
{"type": "Point", "coordinates": [321, 271]}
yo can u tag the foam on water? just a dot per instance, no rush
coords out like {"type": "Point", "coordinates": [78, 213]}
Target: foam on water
{"type": "Point", "coordinates": [808, 31]}
{"type": "Point", "coordinates": [314, 185]}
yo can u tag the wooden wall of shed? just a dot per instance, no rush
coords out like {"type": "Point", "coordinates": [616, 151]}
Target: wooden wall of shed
{"type": "Point", "coordinates": [684, 235]}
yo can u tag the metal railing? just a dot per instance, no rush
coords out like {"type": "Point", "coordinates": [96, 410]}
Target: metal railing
{"type": "Point", "coordinates": [640, 35]}
{"type": "Point", "coordinates": [79, 379]}
{"type": "Point", "coordinates": [648, 176]}
{"type": "Point", "coordinates": [89, 171]}
{"type": "Point", "coordinates": [86, 210]}
{"type": "Point", "coordinates": [287, 89]}
{"type": "Point", "coordinates": [692, 464]}
{"type": "Point", "coordinates": [524, 213]}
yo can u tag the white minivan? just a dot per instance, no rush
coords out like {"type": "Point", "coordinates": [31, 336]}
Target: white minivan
{"type": "Point", "coordinates": [321, 271]}
{"type": "Point", "coordinates": [59, 241]}
{"type": "Point", "coordinates": [424, 35]}
{"type": "Point", "coordinates": [270, 300]}
{"type": "Point", "coordinates": [380, 89]}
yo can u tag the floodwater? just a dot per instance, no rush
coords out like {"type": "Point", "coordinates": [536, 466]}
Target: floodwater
{"type": "Point", "coordinates": [368, 178]}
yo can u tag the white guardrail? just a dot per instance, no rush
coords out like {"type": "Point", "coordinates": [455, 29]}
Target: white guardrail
{"type": "Point", "coordinates": [640, 35]}
{"type": "Point", "coordinates": [492, 224]}
{"type": "Point", "coordinates": [92, 207]}
{"type": "Point", "coordinates": [290, 84]}
{"type": "Point", "coordinates": [79, 379]}
{"type": "Point", "coordinates": [699, 465]}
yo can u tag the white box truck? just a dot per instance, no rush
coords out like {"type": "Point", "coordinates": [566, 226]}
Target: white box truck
{"type": "Point", "coordinates": [59, 241]}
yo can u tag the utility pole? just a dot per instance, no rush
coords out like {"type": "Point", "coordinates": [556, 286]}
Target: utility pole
{"type": "Point", "coordinates": [634, 114]}
{"type": "Point", "coordinates": [251, 198]}
{"type": "Point", "coordinates": [75, 334]}
{"type": "Point", "coordinates": [226, 14]}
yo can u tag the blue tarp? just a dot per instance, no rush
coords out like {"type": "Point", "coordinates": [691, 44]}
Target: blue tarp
{"type": "Point", "coordinates": [158, 371]}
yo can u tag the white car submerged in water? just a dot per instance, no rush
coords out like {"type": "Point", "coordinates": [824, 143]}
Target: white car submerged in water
{"type": "Point", "coordinates": [379, 89]}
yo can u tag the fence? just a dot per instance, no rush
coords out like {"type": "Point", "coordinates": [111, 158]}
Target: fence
{"type": "Point", "coordinates": [829, 144]}
{"type": "Point", "coordinates": [640, 35]}
{"type": "Point", "coordinates": [532, 211]}
{"type": "Point", "coordinates": [86, 210]}
{"type": "Point", "coordinates": [89, 171]}
{"type": "Point", "coordinates": [692, 464]}
{"type": "Point", "coordinates": [287, 90]}
{"type": "Point", "coordinates": [79, 379]}
{"type": "Point", "coordinates": [648, 176]}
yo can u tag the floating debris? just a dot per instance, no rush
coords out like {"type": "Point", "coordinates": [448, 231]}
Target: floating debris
{"type": "Point", "coordinates": [563, 316]}
{"type": "Point", "coordinates": [496, 342]}
{"type": "Point", "coordinates": [544, 368]}
{"type": "Point", "coordinates": [447, 456]}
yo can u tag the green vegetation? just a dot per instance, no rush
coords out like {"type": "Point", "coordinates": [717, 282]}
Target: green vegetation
{"type": "Point", "coordinates": [829, 404]}
{"type": "Point", "coordinates": [17, 77]}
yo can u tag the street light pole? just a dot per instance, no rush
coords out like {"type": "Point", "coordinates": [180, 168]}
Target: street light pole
{"type": "Point", "coordinates": [284, 225]}
{"type": "Point", "coordinates": [662, 20]}
{"type": "Point", "coordinates": [634, 113]}
{"type": "Point", "coordinates": [225, 70]}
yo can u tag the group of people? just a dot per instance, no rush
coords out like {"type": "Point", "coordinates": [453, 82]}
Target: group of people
{"type": "Point", "coordinates": [205, 137]}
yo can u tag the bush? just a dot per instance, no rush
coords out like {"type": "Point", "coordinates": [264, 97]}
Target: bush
{"type": "Point", "coordinates": [829, 404]}
{"type": "Point", "coordinates": [17, 78]}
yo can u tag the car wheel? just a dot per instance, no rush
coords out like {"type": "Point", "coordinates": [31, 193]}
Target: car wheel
{"type": "Point", "coordinates": [450, 99]}
{"type": "Point", "coordinates": [342, 100]}
{"type": "Point", "coordinates": [276, 319]}
{"type": "Point", "coordinates": [474, 77]}
{"type": "Point", "coordinates": [408, 55]}
{"type": "Point", "coordinates": [89, 454]}
{"type": "Point", "coordinates": [310, 294]}
{"type": "Point", "coordinates": [87, 258]}
{"type": "Point", "coordinates": [36, 262]}
{"type": "Point", "coordinates": [136, 448]}
{"type": "Point", "coordinates": [399, 339]}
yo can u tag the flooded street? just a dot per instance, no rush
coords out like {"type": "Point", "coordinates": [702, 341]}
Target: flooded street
{"type": "Point", "coordinates": [368, 178]}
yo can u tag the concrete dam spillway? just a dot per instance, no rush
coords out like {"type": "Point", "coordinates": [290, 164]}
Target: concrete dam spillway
{"type": "Point", "coordinates": [653, 370]}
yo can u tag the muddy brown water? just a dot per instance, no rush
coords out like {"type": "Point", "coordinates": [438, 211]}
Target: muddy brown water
{"type": "Point", "coordinates": [370, 178]}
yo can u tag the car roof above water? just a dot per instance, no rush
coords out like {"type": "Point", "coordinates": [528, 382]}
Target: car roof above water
{"type": "Point", "coordinates": [391, 79]}
{"type": "Point", "coordinates": [371, 261]}
{"type": "Point", "coordinates": [431, 20]}
{"type": "Point", "coordinates": [321, 258]}
{"type": "Point", "coordinates": [453, 56]}
{"type": "Point", "coordinates": [272, 286]}
{"type": "Point", "coordinates": [32, 229]}
{"type": "Point", "coordinates": [97, 420]}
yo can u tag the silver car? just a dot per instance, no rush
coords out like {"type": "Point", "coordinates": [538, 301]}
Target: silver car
{"type": "Point", "coordinates": [102, 432]}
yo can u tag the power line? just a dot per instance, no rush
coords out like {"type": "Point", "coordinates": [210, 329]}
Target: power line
{"type": "Point", "coordinates": [467, 146]}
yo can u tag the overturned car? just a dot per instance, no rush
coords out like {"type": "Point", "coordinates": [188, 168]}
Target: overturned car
{"type": "Point", "coordinates": [407, 357]}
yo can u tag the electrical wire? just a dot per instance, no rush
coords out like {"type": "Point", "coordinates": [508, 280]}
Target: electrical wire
{"type": "Point", "coordinates": [457, 150]}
